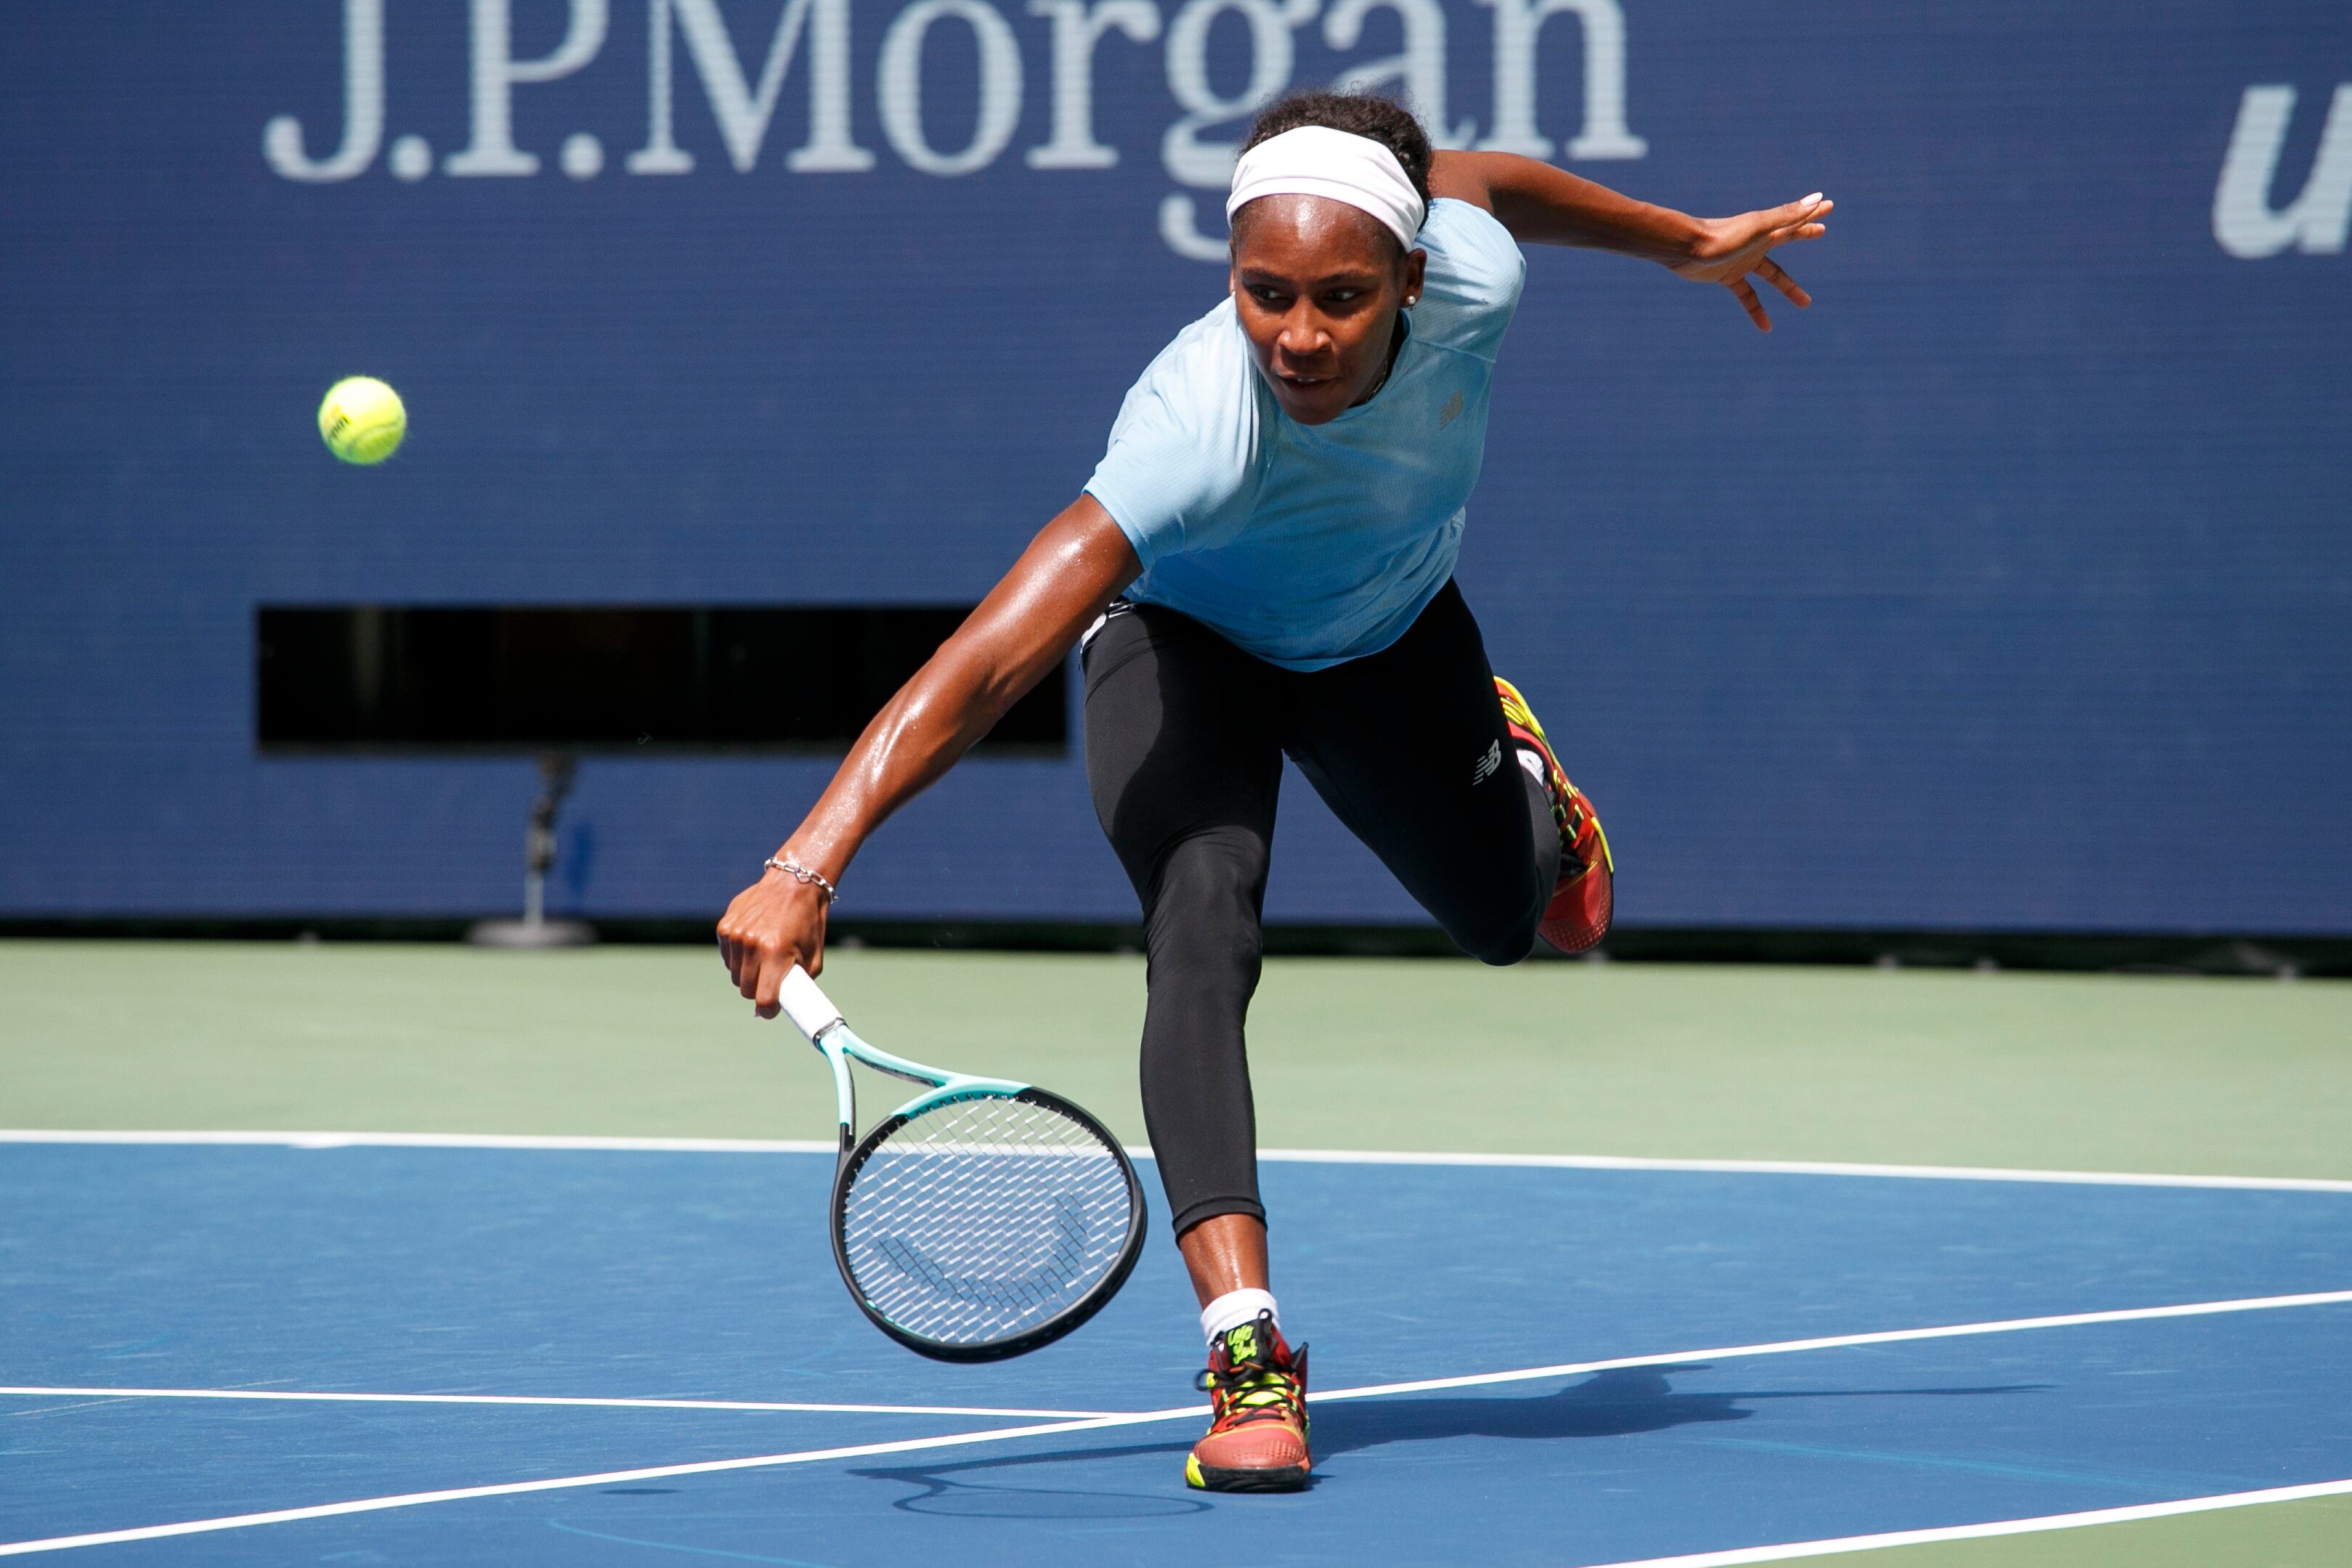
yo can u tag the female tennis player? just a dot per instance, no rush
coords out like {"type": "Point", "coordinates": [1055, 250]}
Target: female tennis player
{"type": "Point", "coordinates": [1263, 566]}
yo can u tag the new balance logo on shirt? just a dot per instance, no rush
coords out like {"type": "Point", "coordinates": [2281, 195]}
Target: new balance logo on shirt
{"type": "Point", "coordinates": [1487, 764]}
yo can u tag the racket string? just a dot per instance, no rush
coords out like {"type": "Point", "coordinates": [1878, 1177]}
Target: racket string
{"type": "Point", "coordinates": [982, 1218]}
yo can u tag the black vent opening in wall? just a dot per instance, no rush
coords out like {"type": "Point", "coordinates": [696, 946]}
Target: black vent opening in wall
{"type": "Point", "coordinates": [377, 677]}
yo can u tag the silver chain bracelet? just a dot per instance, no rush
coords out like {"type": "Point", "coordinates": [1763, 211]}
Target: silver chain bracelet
{"type": "Point", "coordinates": [799, 873]}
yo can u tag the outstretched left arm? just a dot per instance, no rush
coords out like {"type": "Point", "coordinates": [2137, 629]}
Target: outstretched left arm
{"type": "Point", "coordinates": [1544, 205]}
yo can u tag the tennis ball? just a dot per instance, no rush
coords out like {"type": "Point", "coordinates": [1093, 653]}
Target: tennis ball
{"type": "Point", "coordinates": [362, 420]}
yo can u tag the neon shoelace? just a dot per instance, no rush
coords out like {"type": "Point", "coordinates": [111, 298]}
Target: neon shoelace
{"type": "Point", "coordinates": [1253, 1388]}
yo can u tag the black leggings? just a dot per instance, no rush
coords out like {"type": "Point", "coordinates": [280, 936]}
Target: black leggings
{"type": "Point", "coordinates": [1185, 737]}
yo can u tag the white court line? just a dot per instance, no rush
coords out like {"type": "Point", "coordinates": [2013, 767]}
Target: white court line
{"type": "Point", "coordinates": [1367, 1391]}
{"type": "Point", "coordinates": [1841, 1342]}
{"type": "Point", "coordinates": [1306, 1156]}
{"type": "Point", "coordinates": [1145, 1417]}
{"type": "Point", "coordinates": [1807, 1167]}
{"type": "Point", "coordinates": [1783, 1553]}
{"type": "Point", "coordinates": [35, 1392]}
{"type": "Point", "coordinates": [431, 1141]}
{"type": "Point", "coordinates": [560, 1483]}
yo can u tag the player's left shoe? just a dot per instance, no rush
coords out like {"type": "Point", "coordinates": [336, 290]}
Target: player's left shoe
{"type": "Point", "coordinates": [1257, 1439]}
{"type": "Point", "coordinates": [1584, 898]}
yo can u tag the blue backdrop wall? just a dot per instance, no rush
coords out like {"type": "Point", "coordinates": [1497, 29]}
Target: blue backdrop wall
{"type": "Point", "coordinates": [2008, 588]}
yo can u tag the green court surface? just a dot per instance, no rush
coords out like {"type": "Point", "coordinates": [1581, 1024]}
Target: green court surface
{"type": "Point", "coordinates": [2056, 1072]}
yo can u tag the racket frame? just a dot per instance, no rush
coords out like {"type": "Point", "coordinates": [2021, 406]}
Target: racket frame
{"type": "Point", "coordinates": [821, 1022]}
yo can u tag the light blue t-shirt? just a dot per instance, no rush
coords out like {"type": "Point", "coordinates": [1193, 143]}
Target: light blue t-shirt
{"type": "Point", "coordinates": [1312, 546]}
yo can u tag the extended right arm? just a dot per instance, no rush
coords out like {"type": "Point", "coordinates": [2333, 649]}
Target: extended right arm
{"type": "Point", "coordinates": [1074, 567]}
{"type": "Point", "coordinates": [1544, 205]}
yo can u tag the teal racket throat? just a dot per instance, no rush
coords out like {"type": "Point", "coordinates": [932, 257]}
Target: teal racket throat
{"type": "Point", "coordinates": [983, 1218]}
{"type": "Point", "coordinates": [840, 1043]}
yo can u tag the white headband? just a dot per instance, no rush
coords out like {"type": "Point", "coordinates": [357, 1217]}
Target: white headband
{"type": "Point", "coordinates": [1317, 160]}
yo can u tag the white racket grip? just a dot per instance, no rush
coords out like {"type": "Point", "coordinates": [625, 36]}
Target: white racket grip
{"type": "Point", "coordinates": [806, 1005]}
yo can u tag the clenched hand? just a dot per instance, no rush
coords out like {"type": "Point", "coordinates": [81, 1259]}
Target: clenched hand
{"type": "Point", "coordinates": [775, 922]}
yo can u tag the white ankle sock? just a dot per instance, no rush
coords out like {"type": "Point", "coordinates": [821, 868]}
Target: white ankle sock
{"type": "Point", "coordinates": [1233, 1308]}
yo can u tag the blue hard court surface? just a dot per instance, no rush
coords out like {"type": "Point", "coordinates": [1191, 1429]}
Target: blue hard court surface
{"type": "Point", "coordinates": [609, 1274]}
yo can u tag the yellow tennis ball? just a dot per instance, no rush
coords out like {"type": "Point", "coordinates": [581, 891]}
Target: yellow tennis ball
{"type": "Point", "coordinates": [362, 420]}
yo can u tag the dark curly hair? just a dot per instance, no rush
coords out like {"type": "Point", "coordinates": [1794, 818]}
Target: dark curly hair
{"type": "Point", "coordinates": [1358, 114]}
{"type": "Point", "coordinates": [1365, 114]}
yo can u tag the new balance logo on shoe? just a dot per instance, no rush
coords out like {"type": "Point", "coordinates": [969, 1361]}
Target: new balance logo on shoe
{"type": "Point", "coordinates": [1487, 763]}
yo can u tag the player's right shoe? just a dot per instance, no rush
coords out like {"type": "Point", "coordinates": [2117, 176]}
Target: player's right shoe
{"type": "Point", "coordinates": [1257, 1405]}
{"type": "Point", "coordinates": [1584, 898]}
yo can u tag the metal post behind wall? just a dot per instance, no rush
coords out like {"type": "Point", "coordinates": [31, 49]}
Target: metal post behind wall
{"type": "Point", "coordinates": [556, 771]}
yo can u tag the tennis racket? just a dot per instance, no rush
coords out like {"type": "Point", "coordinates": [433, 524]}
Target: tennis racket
{"type": "Point", "coordinates": [982, 1218]}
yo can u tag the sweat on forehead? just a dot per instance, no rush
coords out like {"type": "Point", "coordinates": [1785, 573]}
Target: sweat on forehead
{"type": "Point", "coordinates": [1316, 219]}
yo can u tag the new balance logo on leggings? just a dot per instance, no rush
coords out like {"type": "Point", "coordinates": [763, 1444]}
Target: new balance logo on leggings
{"type": "Point", "coordinates": [1487, 763]}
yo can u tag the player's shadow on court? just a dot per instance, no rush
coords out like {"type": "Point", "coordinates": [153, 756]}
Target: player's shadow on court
{"type": "Point", "coordinates": [1020, 1488]}
{"type": "Point", "coordinates": [1615, 1403]}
